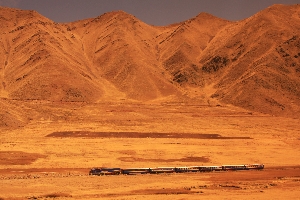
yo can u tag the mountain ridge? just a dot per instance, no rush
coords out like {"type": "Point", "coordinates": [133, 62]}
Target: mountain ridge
{"type": "Point", "coordinates": [253, 63]}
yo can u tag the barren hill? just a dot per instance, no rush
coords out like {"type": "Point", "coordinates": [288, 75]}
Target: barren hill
{"type": "Point", "coordinates": [253, 63]}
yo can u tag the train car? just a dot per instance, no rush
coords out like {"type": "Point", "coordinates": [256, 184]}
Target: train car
{"type": "Point", "coordinates": [210, 168]}
{"type": "Point", "coordinates": [110, 171]}
{"type": "Point", "coordinates": [254, 166]}
{"type": "Point", "coordinates": [187, 169]}
{"type": "Point", "coordinates": [95, 171]}
{"type": "Point", "coordinates": [105, 171]}
{"type": "Point", "coordinates": [133, 171]}
{"type": "Point", "coordinates": [233, 167]}
{"type": "Point", "coordinates": [158, 170]}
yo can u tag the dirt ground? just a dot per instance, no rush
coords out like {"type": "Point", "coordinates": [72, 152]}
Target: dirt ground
{"type": "Point", "coordinates": [51, 157]}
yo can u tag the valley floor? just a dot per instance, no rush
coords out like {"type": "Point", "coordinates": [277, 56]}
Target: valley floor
{"type": "Point", "coordinates": [52, 155]}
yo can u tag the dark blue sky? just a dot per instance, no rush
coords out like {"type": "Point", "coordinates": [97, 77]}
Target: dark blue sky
{"type": "Point", "coordinates": [155, 12]}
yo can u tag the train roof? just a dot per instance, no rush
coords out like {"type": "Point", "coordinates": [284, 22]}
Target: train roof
{"type": "Point", "coordinates": [135, 168]}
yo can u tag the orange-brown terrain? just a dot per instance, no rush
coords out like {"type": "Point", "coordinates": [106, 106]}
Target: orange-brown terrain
{"type": "Point", "coordinates": [113, 91]}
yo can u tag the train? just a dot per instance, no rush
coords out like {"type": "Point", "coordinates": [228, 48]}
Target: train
{"type": "Point", "coordinates": [158, 170]}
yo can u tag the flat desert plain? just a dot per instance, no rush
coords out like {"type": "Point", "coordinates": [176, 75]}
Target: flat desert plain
{"type": "Point", "coordinates": [50, 158]}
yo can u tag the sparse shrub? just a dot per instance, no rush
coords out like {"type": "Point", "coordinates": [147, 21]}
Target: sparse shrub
{"type": "Point", "coordinates": [215, 64]}
{"type": "Point", "coordinates": [57, 195]}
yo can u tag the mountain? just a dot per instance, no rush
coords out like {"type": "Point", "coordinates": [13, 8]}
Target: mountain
{"type": "Point", "coordinates": [42, 60]}
{"type": "Point", "coordinates": [122, 50]}
{"type": "Point", "coordinates": [253, 63]}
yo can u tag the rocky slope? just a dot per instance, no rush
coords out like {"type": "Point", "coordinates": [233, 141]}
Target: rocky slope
{"type": "Point", "coordinates": [253, 63]}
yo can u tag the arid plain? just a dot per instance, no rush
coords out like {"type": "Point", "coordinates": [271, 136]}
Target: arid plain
{"type": "Point", "coordinates": [98, 92]}
{"type": "Point", "coordinates": [36, 165]}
